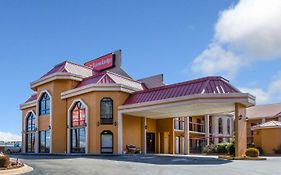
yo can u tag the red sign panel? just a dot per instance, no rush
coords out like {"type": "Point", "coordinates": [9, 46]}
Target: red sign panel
{"type": "Point", "coordinates": [104, 62]}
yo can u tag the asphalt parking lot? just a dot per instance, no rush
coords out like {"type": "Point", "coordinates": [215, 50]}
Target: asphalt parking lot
{"type": "Point", "coordinates": [148, 165]}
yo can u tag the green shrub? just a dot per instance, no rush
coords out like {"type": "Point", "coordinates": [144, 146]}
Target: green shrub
{"type": "Point", "coordinates": [252, 152]}
{"type": "Point", "coordinates": [230, 148]}
{"type": "Point", "coordinates": [221, 148]}
{"type": "Point", "coordinates": [4, 161]}
{"type": "Point", "coordinates": [210, 149]}
{"type": "Point", "coordinates": [277, 150]}
{"type": "Point", "coordinates": [216, 148]}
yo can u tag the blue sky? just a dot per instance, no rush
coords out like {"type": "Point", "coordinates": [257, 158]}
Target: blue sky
{"type": "Point", "coordinates": [176, 38]}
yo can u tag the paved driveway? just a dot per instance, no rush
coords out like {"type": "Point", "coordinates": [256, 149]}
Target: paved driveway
{"type": "Point", "coordinates": [148, 165]}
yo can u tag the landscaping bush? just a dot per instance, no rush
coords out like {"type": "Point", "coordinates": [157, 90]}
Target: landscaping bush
{"type": "Point", "coordinates": [210, 149]}
{"type": "Point", "coordinates": [252, 152]}
{"type": "Point", "coordinates": [221, 148]}
{"type": "Point", "coordinates": [277, 150]}
{"type": "Point", "coordinates": [230, 148]}
{"type": "Point", "coordinates": [216, 148]}
{"type": "Point", "coordinates": [4, 161]}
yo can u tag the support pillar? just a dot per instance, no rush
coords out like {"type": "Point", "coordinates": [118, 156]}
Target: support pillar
{"type": "Point", "coordinates": [186, 136]}
{"type": "Point", "coordinates": [207, 129]}
{"type": "Point", "coordinates": [144, 129]}
{"type": "Point", "coordinates": [120, 133]}
{"type": "Point", "coordinates": [279, 119]}
{"type": "Point", "coordinates": [263, 120]}
{"type": "Point", "coordinates": [240, 130]}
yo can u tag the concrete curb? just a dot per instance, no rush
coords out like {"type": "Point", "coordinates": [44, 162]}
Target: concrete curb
{"type": "Point", "coordinates": [24, 169]}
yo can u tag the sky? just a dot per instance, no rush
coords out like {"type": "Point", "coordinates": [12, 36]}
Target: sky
{"type": "Point", "coordinates": [183, 39]}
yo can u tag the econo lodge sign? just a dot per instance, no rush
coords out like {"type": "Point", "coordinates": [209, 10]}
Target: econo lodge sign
{"type": "Point", "coordinates": [101, 63]}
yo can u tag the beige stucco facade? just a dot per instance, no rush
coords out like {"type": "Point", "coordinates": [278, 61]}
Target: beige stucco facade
{"type": "Point", "coordinates": [267, 139]}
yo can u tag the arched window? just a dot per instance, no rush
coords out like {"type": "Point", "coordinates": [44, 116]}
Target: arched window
{"type": "Point", "coordinates": [78, 125]}
{"type": "Point", "coordinates": [106, 111]}
{"type": "Point", "coordinates": [30, 133]}
{"type": "Point", "coordinates": [220, 126]}
{"type": "Point", "coordinates": [44, 104]}
{"type": "Point", "coordinates": [107, 142]}
{"type": "Point", "coordinates": [228, 126]}
{"type": "Point", "coordinates": [30, 122]}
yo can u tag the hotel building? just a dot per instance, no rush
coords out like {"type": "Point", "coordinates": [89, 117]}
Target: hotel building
{"type": "Point", "coordinates": [98, 108]}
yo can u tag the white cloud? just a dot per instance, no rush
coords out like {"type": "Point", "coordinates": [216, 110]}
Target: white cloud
{"type": "Point", "coordinates": [246, 32]}
{"type": "Point", "coordinates": [253, 27]}
{"type": "Point", "coordinates": [262, 96]}
{"type": "Point", "coordinates": [7, 136]}
{"type": "Point", "coordinates": [216, 60]}
{"type": "Point", "coordinates": [271, 94]}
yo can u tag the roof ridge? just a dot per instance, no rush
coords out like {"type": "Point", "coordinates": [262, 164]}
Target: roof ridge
{"type": "Point", "coordinates": [95, 75]}
{"type": "Point", "coordinates": [78, 65]}
{"type": "Point", "coordinates": [124, 77]}
{"type": "Point", "coordinates": [182, 83]}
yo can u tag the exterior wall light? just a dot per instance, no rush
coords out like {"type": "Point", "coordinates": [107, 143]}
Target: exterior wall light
{"type": "Point", "coordinates": [145, 127]}
{"type": "Point", "coordinates": [240, 117]}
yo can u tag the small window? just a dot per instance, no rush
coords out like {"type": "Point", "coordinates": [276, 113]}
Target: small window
{"type": "Point", "coordinates": [107, 142]}
{"type": "Point", "coordinates": [220, 126]}
{"type": "Point", "coordinates": [44, 105]}
{"type": "Point", "coordinates": [30, 122]}
{"type": "Point", "coordinates": [106, 111]}
{"type": "Point", "coordinates": [78, 115]}
{"type": "Point", "coordinates": [45, 141]}
{"type": "Point", "coordinates": [228, 126]}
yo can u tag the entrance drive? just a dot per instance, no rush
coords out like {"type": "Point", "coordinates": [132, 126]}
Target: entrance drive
{"type": "Point", "coordinates": [150, 143]}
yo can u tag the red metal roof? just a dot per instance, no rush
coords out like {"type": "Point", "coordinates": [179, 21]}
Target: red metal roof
{"type": "Point", "coordinates": [32, 98]}
{"type": "Point", "coordinates": [199, 86]}
{"type": "Point", "coordinates": [98, 78]}
{"type": "Point", "coordinates": [58, 68]}
{"type": "Point", "coordinates": [68, 66]}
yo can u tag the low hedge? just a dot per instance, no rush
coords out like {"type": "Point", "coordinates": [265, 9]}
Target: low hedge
{"type": "Point", "coordinates": [216, 148]}
{"type": "Point", "coordinates": [252, 152]}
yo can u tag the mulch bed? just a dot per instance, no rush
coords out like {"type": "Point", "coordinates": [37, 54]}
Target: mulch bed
{"type": "Point", "coordinates": [13, 165]}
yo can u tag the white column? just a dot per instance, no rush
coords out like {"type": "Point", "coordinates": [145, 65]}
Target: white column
{"type": "Point", "coordinates": [186, 136]}
{"type": "Point", "coordinates": [263, 120]}
{"type": "Point", "coordinates": [144, 128]}
{"type": "Point", "coordinates": [279, 119]}
{"type": "Point", "coordinates": [207, 129]}
{"type": "Point", "coordinates": [215, 129]}
{"type": "Point", "coordinates": [120, 133]}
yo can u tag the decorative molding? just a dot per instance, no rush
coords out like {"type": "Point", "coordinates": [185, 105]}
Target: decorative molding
{"type": "Point", "coordinates": [28, 105]}
{"type": "Point", "coordinates": [56, 76]}
{"type": "Point", "coordinates": [97, 87]}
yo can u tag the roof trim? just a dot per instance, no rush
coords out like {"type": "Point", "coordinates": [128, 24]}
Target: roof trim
{"type": "Point", "coordinates": [28, 105]}
{"type": "Point", "coordinates": [249, 100]}
{"type": "Point", "coordinates": [96, 87]}
{"type": "Point", "coordinates": [267, 125]}
{"type": "Point", "coordinates": [56, 76]}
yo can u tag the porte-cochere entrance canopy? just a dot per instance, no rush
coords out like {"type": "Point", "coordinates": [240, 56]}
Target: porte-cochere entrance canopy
{"type": "Point", "coordinates": [210, 95]}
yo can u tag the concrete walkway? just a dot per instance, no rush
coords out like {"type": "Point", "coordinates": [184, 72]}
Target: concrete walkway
{"type": "Point", "coordinates": [148, 165]}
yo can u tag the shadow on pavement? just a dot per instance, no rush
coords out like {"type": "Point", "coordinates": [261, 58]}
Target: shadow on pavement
{"type": "Point", "coordinates": [147, 159]}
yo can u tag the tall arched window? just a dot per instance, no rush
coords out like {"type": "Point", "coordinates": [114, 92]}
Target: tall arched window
{"type": "Point", "coordinates": [107, 142]}
{"type": "Point", "coordinates": [44, 104]}
{"type": "Point", "coordinates": [106, 111]}
{"type": "Point", "coordinates": [77, 128]}
{"type": "Point", "coordinates": [228, 126]}
{"type": "Point", "coordinates": [220, 126]}
{"type": "Point", "coordinates": [30, 133]}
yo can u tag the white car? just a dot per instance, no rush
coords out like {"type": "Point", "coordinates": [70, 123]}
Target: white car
{"type": "Point", "coordinates": [12, 149]}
